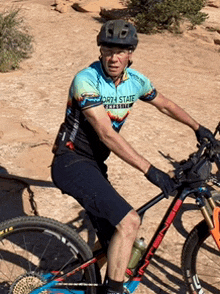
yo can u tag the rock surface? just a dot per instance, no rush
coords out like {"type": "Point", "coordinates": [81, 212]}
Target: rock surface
{"type": "Point", "coordinates": [184, 68]}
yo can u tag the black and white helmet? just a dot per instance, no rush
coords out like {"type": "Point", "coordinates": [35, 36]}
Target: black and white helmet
{"type": "Point", "coordinates": [118, 33]}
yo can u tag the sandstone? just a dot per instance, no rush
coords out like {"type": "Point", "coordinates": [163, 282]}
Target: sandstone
{"type": "Point", "coordinates": [57, 2]}
{"type": "Point", "coordinates": [78, 7]}
{"type": "Point", "coordinates": [200, 34]}
{"type": "Point", "coordinates": [217, 41]}
{"type": "Point", "coordinates": [213, 3]}
{"type": "Point", "coordinates": [61, 7]}
{"type": "Point", "coordinates": [109, 14]}
{"type": "Point", "coordinates": [184, 69]}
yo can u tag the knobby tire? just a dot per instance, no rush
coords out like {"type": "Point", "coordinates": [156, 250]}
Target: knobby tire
{"type": "Point", "coordinates": [200, 261]}
{"type": "Point", "coordinates": [33, 247]}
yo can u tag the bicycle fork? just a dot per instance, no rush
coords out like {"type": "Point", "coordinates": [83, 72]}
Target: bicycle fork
{"type": "Point", "coordinates": [212, 217]}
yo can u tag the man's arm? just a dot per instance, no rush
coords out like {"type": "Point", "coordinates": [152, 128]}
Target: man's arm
{"type": "Point", "coordinates": [101, 123]}
{"type": "Point", "coordinates": [173, 110]}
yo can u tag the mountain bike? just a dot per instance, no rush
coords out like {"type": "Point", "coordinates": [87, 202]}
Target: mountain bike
{"type": "Point", "coordinates": [39, 255]}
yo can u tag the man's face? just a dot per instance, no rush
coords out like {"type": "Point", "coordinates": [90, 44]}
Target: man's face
{"type": "Point", "coordinates": [115, 60]}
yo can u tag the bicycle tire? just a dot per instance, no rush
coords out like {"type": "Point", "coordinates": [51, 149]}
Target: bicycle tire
{"type": "Point", "coordinates": [200, 261]}
{"type": "Point", "coordinates": [31, 248]}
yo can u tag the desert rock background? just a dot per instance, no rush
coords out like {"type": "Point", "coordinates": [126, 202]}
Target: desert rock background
{"type": "Point", "coordinates": [33, 99]}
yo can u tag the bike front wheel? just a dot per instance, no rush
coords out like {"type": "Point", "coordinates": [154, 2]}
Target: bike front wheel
{"type": "Point", "coordinates": [36, 250]}
{"type": "Point", "coordinates": [201, 261]}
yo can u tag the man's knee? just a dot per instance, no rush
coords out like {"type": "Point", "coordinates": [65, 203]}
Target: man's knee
{"type": "Point", "coordinates": [129, 224]}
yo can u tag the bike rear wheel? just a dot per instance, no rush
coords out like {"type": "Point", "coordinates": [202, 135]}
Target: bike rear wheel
{"type": "Point", "coordinates": [35, 250]}
{"type": "Point", "coordinates": [201, 261]}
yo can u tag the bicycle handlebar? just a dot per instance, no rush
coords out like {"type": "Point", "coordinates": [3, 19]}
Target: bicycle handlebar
{"type": "Point", "coordinates": [197, 168]}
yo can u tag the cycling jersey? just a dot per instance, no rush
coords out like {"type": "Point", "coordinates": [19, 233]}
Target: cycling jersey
{"type": "Point", "coordinates": [92, 87]}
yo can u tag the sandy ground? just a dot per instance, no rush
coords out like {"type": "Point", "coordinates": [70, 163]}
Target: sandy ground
{"type": "Point", "coordinates": [185, 68]}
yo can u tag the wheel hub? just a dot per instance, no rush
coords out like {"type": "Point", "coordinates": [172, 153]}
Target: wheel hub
{"type": "Point", "coordinates": [27, 283]}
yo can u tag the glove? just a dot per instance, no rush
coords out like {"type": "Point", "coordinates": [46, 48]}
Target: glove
{"type": "Point", "coordinates": [204, 133]}
{"type": "Point", "coordinates": [161, 180]}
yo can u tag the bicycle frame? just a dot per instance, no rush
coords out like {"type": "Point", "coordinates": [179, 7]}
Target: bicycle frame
{"type": "Point", "coordinates": [135, 278]}
{"type": "Point", "coordinates": [202, 196]}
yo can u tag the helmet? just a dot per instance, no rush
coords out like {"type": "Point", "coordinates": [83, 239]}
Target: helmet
{"type": "Point", "coordinates": [118, 33]}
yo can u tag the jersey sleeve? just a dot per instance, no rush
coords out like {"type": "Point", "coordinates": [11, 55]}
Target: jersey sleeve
{"type": "Point", "coordinates": [84, 91]}
{"type": "Point", "coordinates": [148, 91]}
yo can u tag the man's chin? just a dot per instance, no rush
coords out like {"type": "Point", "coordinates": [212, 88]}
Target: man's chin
{"type": "Point", "coordinates": [113, 73]}
{"type": "Point", "coordinates": [113, 70]}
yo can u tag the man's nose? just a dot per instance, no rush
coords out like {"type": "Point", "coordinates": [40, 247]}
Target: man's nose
{"type": "Point", "coordinates": [114, 56]}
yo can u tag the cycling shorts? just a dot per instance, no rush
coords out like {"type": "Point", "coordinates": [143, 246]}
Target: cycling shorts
{"type": "Point", "coordinates": [86, 180]}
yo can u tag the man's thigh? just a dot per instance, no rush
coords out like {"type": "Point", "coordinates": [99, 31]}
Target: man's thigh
{"type": "Point", "coordinates": [82, 179]}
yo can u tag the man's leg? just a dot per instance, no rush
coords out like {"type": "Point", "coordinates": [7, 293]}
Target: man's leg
{"type": "Point", "coordinates": [120, 247]}
{"type": "Point", "coordinates": [83, 179]}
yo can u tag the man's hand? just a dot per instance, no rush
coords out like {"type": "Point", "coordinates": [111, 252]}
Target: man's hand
{"type": "Point", "coordinates": [160, 179]}
{"type": "Point", "coordinates": [204, 133]}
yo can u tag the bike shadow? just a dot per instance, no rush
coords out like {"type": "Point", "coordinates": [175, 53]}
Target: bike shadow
{"type": "Point", "coordinates": [16, 195]}
{"type": "Point", "coordinates": [17, 199]}
{"type": "Point", "coordinates": [83, 226]}
{"type": "Point", "coordinates": [154, 281]}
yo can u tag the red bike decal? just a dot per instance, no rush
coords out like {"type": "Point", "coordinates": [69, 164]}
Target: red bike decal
{"type": "Point", "coordinates": [160, 236]}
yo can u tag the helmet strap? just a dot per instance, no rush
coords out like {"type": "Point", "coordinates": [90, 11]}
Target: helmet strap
{"type": "Point", "coordinates": [129, 63]}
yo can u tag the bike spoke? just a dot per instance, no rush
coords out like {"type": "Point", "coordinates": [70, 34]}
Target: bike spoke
{"type": "Point", "coordinates": [38, 250]}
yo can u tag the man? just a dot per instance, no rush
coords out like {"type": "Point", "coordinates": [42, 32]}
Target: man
{"type": "Point", "coordinates": [100, 99]}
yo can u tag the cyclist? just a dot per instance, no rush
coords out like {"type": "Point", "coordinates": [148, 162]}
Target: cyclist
{"type": "Point", "coordinates": [100, 99]}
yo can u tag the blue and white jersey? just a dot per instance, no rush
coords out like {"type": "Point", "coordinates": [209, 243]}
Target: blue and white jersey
{"type": "Point", "coordinates": [90, 88]}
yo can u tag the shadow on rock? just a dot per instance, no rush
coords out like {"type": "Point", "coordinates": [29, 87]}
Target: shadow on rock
{"type": "Point", "coordinates": [16, 196]}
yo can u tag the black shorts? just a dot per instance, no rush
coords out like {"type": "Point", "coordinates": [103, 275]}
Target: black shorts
{"type": "Point", "coordinates": [86, 181]}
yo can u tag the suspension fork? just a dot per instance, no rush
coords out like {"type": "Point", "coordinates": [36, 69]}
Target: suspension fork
{"type": "Point", "coordinates": [212, 217]}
